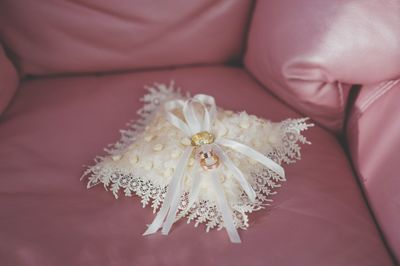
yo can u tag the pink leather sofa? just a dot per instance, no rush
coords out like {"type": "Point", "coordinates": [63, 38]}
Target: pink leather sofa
{"type": "Point", "coordinates": [82, 66]}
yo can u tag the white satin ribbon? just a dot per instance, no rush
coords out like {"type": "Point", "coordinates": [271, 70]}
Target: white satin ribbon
{"type": "Point", "coordinates": [224, 207]}
{"type": "Point", "coordinates": [253, 154]}
{"type": "Point", "coordinates": [171, 201]}
{"type": "Point", "coordinates": [194, 124]}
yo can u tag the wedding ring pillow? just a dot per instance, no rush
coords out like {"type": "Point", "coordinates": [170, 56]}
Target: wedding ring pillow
{"type": "Point", "coordinates": [185, 157]}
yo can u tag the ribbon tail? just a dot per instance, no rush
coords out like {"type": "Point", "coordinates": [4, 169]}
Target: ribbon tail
{"type": "Point", "coordinates": [171, 196]}
{"type": "Point", "coordinates": [195, 190]}
{"type": "Point", "coordinates": [193, 193]}
{"type": "Point", "coordinates": [253, 154]}
{"type": "Point", "coordinates": [225, 209]}
{"type": "Point", "coordinates": [236, 173]}
{"type": "Point", "coordinates": [169, 221]}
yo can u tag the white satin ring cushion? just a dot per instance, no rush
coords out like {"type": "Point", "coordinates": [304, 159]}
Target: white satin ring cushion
{"type": "Point", "coordinates": [186, 157]}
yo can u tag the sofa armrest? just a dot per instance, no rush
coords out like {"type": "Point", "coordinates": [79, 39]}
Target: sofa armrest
{"type": "Point", "coordinates": [309, 53]}
{"type": "Point", "coordinates": [373, 135]}
{"type": "Point", "coordinates": [9, 80]}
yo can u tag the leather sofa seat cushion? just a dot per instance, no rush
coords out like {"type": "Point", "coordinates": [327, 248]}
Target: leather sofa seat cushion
{"type": "Point", "coordinates": [55, 126]}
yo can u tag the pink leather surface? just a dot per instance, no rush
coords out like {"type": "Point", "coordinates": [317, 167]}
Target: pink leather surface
{"type": "Point", "coordinates": [98, 36]}
{"type": "Point", "coordinates": [8, 80]}
{"type": "Point", "coordinates": [374, 141]}
{"type": "Point", "coordinates": [307, 52]}
{"type": "Point", "coordinates": [47, 216]}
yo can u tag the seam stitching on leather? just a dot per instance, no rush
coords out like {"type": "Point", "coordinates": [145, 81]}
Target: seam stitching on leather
{"type": "Point", "coordinates": [341, 100]}
{"type": "Point", "coordinates": [378, 93]}
{"type": "Point", "coordinates": [366, 103]}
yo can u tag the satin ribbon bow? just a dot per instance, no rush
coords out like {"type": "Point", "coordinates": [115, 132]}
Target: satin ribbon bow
{"type": "Point", "coordinates": [190, 127]}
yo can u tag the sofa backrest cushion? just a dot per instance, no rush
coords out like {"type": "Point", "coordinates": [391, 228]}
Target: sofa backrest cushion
{"type": "Point", "coordinates": [9, 80]}
{"type": "Point", "coordinates": [50, 37]}
{"type": "Point", "coordinates": [373, 136]}
{"type": "Point", "coordinates": [308, 52]}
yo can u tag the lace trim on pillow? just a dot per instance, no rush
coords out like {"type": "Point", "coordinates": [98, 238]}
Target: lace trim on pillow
{"type": "Point", "coordinates": [264, 181]}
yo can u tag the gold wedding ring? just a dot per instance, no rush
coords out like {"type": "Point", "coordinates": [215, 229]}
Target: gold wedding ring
{"type": "Point", "coordinates": [202, 138]}
{"type": "Point", "coordinates": [209, 160]}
